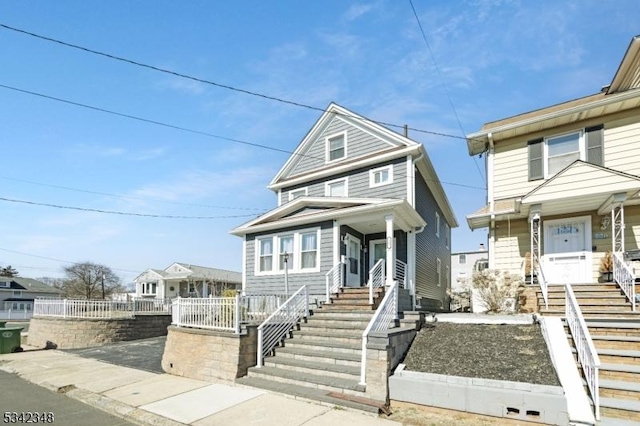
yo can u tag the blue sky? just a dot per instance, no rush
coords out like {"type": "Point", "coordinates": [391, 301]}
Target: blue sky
{"type": "Point", "coordinates": [494, 59]}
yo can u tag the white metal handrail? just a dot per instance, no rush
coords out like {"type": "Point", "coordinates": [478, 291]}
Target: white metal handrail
{"type": "Point", "coordinates": [384, 316]}
{"type": "Point", "coordinates": [587, 353]}
{"type": "Point", "coordinates": [334, 280]}
{"type": "Point", "coordinates": [83, 308]}
{"type": "Point", "coordinates": [625, 277]}
{"type": "Point", "coordinates": [401, 273]}
{"type": "Point", "coordinates": [542, 282]}
{"type": "Point", "coordinates": [274, 328]}
{"type": "Point", "coordinates": [376, 278]}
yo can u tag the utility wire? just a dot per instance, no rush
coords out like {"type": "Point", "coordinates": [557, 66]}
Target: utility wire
{"type": "Point", "coordinates": [444, 87]}
{"type": "Point", "coordinates": [57, 206]}
{"type": "Point", "coordinates": [125, 196]}
{"type": "Point", "coordinates": [213, 83]}
{"type": "Point", "coordinates": [172, 126]}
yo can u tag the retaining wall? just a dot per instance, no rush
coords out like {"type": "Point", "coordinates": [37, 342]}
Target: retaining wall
{"type": "Point", "coordinates": [69, 333]}
{"type": "Point", "coordinates": [210, 355]}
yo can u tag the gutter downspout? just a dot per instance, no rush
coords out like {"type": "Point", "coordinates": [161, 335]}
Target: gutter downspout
{"type": "Point", "coordinates": [490, 202]}
{"type": "Point", "coordinates": [411, 262]}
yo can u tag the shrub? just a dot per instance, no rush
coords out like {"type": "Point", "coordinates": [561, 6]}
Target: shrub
{"type": "Point", "coordinates": [497, 290]}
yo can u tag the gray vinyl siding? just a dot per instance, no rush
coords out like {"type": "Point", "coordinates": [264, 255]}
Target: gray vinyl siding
{"type": "Point", "coordinates": [270, 284]}
{"type": "Point", "coordinates": [429, 247]}
{"type": "Point", "coordinates": [358, 183]}
{"type": "Point", "coordinates": [401, 245]}
{"type": "Point", "coordinates": [358, 143]}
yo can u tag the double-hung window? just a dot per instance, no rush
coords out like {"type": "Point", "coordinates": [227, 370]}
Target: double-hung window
{"type": "Point", "coordinates": [301, 250]}
{"type": "Point", "coordinates": [149, 288]}
{"type": "Point", "coordinates": [17, 293]}
{"type": "Point", "coordinates": [562, 151]}
{"type": "Point", "coordinates": [381, 176]}
{"type": "Point", "coordinates": [336, 147]}
{"type": "Point", "coordinates": [336, 188]}
{"type": "Point", "coordinates": [285, 249]}
{"type": "Point", "coordinates": [309, 250]}
{"type": "Point", "coordinates": [462, 259]}
{"type": "Point", "coordinates": [297, 193]}
{"type": "Point", "coordinates": [265, 247]}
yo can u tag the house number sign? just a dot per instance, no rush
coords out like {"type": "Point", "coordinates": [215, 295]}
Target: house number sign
{"type": "Point", "coordinates": [566, 229]}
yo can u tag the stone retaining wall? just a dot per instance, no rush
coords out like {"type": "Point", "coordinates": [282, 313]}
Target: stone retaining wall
{"type": "Point", "coordinates": [69, 333]}
{"type": "Point", "coordinates": [210, 355]}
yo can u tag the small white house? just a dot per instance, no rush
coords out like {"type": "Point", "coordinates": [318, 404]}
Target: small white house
{"type": "Point", "coordinates": [464, 264]}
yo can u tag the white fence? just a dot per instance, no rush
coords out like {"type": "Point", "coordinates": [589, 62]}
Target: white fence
{"type": "Point", "coordinates": [626, 279]}
{"type": "Point", "coordinates": [98, 309]}
{"type": "Point", "coordinates": [334, 280]}
{"type": "Point", "coordinates": [587, 354]}
{"type": "Point", "coordinates": [376, 278]}
{"type": "Point", "coordinates": [224, 313]}
{"type": "Point", "coordinates": [15, 314]}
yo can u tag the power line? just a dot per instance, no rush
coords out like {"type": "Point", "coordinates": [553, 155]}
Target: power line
{"type": "Point", "coordinates": [444, 87]}
{"type": "Point", "coordinates": [125, 196]}
{"type": "Point", "coordinates": [213, 83]}
{"type": "Point", "coordinates": [57, 206]}
{"type": "Point", "coordinates": [171, 126]}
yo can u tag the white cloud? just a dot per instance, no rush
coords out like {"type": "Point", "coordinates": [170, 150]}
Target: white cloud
{"type": "Point", "coordinates": [356, 11]}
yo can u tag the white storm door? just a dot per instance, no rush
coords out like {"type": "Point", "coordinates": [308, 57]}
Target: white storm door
{"type": "Point", "coordinates": [353, 261]}
{"type": "Point", "coordinates": [567, 251]}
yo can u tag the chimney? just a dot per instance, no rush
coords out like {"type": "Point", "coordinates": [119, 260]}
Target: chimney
{"type": "Point", "coordinates": [406, 130]}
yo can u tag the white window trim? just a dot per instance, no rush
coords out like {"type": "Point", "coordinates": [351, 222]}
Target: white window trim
{"type": "Point", "coordinates": [446, 277]}
{"type": "Point", "coordinates": [17, 293]}
{"type": "Point", "coordinates": [328, 183]}
{"type": "Point", "coordinates": [372, 173]}
{"type": "Point", "coordinates": [437, 225]}
{"type": "Point", "coordinates": [293, 191]}
{"type": "Point", "coordinates": [446, 235]}
{"type": "Point", "coordinates": [148, 285]}
{"type": "Point", "coordinates": [545, 149]}
{"type": "Point", "coordinates": [5, 284]}
{"type": "Point", "coordinates": [439, 272]}
{"type": "Point", "coordinates": [292, 235]}
{"type": "Point", "coordinates": [333, 136]}
{"type": "Point", "coordinates": [296, 266]}
{"type": "Point", "coordinates": [462, 258]}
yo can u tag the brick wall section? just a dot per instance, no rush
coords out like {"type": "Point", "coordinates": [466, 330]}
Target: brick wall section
{"type": "Point", "coordinates": [69, 333]}
{"type": "Point", "coordinates": [210, 355]}
{"type": "Point", "coordinates": [385, 350]}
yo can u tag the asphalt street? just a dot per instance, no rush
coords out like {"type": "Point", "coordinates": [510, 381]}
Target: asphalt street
{"type": "Point", "coordinates": [144, 354]}
{"type": "Point", "coordinates": [21, 398]}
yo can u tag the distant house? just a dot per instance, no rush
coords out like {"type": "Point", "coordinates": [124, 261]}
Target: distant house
{"type": "Point", "coordinates": [354, 197]}
{"type": "Point", "coordinates": [186, 280]}
{"type": "Point", "coordinates": [465, 263]}
{"type": "Point", "coordinates": [17, 295]}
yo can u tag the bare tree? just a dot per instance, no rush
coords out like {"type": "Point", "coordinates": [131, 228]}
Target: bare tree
{"type": "Point", "coordinates": [8, 271]}
{"type": "Point", "coordinates": [90, 281]}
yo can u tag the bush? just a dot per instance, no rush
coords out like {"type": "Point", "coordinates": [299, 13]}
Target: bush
{"type": "Point", "coordinates": [498, 291]}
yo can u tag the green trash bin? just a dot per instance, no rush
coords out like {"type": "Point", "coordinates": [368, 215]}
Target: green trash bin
{"type": "Point", "coordinates": [3, 324]}
{"type": "Point", "coordinates": [10, 340]}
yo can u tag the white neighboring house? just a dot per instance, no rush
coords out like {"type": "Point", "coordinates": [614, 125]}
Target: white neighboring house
{"type": "Point", "coordinates": [186, 280]}
{"type": "Point", "coordinates": [17, 295]}
{"type": "Point", "coordinates": [464, 264]}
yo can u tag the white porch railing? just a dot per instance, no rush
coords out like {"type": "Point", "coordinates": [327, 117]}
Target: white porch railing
{"type": "Point", "coordinates": [625, 277]}
{"type": "Point", "coordinates": [81, 308]}
{"type": "Point", "coordinates": [258, 307]}
{"type": "Point", "coordinates": [334, 280]}
{"type": "Point", "coordinates": [386, 313]}
{"type": "Point", "coordinates": [376, 278]}
{"type": "Point", "coordinates": [587, 354]}
{"type": "Point", "coordinates": [542, 282]}
{"type": "Point", "coordinates": [151, 306]}
{"type": "Point", "coordinates": [401, 273]}
{"type": "Point", "coordinates": [279, 323]}
{"type": "Point", "coordinates": [14, 314]}
{"type": "Point", "coordinates": [215, 313]}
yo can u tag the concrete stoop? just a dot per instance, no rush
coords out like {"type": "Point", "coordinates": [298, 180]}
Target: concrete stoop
{"type": "Point", "coordinates": [321, 360]}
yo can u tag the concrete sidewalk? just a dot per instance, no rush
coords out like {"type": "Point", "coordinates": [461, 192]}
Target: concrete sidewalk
{"type": "Point", "coordinates": [162, 399]}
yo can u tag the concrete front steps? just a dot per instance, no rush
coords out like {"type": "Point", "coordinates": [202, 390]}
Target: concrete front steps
{"type": "Point", "coordinates": [604, 301]}
{"type": "Point", "coordinates": [321, 361]}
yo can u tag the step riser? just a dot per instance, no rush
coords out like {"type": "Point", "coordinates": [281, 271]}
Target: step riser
{"type": "Point", "coordinates": [309, 370]}
{"type": "Point", "coordinates": [619, 393]}
{"type": "Point", "coordinates": [615, 359]}
{"type": "Point", "coordinates": [633, 416]}
{"type": "Point", "coordinates": [577, 288]}
{"type": "Point", "coordinates": [340, 332]}
{"type": "Point", "coordinates": [357, 296]}
{"type": "Point", "coordinates": [291, 343]}
{"type": "Point", "coordinates": [256, 373]}
{"type": "Point", "coordinates": [619, 375]}
{"type": "Point", "coordinates": [617, 294]}
{"type": "Point", "coordinates": [353, 340]}
{"type": "Point", "coordinates": [320, 315]}
{"type": "Point", "coordinates": [354, 327]}
{"type": "Point", "coordinates": [615, 301]}
{"type": "Point", "coordinates": [616, 344]}
{"type": "Point", "coordinates": [326, 360]}
{"type": "Point", "coordinates": [594, 316]}
{"type": "Point", "coordinates": [336, 307]}
{"type": "Point", "coordinates": [628, 332]}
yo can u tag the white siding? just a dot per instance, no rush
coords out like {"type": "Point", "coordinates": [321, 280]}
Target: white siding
{"type": "Point", "coordinates": [622, 146]}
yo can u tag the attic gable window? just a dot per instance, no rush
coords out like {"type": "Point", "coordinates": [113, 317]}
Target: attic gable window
{"type": "Point", "coordinates": [381, 176]}
{"type": "Point", "coordinates": [5, 284]}
{"type": "Point", "coordinates": [336, 188]}
{"type": "Point", "coordinates": [297, 193]}
{"type": "Point", "coordinates": [336, 147]}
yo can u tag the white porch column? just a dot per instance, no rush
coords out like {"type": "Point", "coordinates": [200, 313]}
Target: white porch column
{"type": "Point", "coordinates": [617, 226]}
{"type": "Point", "coordinates": [390, 260]}
{"type": "Point", "coordinates": [205, 288]}
{"type": "Point", "coordinates": [536, 237]}
{"type": "Point", "coordinates": [336, 243]}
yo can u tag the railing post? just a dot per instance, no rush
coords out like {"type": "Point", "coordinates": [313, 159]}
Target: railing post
{"type": "Point", "coordinates": [237, 314]}
{"type": "Point", "coordinates": [306, 302]}
{"type": "Point", "coordinates": [64, 308]}
{"type": "Point", "coordinates": [327, 290]}
{"type": "Point", "coordinates": [259, 350]}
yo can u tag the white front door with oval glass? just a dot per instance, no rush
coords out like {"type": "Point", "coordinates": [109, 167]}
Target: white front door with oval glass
{"type": "Point", "coordinates": [567, 250]}
{"type": "Point", "coordinates": [353, 260]}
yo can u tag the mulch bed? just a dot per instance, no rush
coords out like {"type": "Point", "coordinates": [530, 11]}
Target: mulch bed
{"type": "Point", "coordinates": [515, 353]}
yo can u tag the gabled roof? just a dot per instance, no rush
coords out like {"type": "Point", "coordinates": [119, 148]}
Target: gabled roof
{"type": "Point", "coordinates": [29, 284]}
{"type": "Point", "coordinates": [318, 209]}
{"type": "Point", "coordinates": [394, 140]}
{"type": "Point", "coordinates": [194, 271]}
{"type": "Point", "coordinates": [622, 94]}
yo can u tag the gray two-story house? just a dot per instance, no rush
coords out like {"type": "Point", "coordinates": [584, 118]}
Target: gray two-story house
{"type": "Point", "coordinates": [352, 197]}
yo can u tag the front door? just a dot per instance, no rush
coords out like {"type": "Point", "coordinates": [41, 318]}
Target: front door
{"type": "Point", "coordinates": [353, 261]}
{"type": "Point", "coordinates": [567, 250]}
